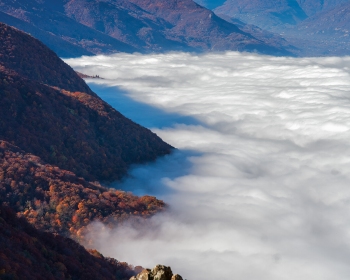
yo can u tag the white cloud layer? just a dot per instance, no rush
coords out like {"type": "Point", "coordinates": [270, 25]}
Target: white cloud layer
{"type": "Point", "coordinates": [260, 186]}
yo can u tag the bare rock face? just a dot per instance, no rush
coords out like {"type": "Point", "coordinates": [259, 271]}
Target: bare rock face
{"type": "Point", "coordinates": [176, 277]}
{"type": "Point", "coordinates": [159, 272]}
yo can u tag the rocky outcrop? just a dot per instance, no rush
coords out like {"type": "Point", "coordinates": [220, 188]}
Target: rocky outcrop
{"type": "Point", "coordinates": [159, 272]}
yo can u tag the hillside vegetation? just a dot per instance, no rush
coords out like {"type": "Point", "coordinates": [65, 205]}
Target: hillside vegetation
{"type": "Point", "coordinates": [74, 130]}
{"type": "Point", "coordinates": [29, 254]}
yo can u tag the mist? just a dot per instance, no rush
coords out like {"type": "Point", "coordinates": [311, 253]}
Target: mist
{"type": "Point", "coordinates": [258, 187]}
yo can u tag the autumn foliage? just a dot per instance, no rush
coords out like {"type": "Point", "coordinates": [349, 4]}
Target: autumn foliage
{"type": "Point", "coordinates": [57, 200]}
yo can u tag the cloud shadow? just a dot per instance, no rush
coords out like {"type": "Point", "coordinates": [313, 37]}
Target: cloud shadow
{"type": "Point", "coordinates": [143, 114]}
{"type": "Point", "coordinates": [152, 178]}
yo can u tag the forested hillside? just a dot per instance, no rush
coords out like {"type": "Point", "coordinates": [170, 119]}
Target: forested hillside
{"type": "Point", "coordinates": [56, 136]}
{"type": "Point", "coordinates": [29, 254]}
{"type": "Point", "coordinates": [48, 110]}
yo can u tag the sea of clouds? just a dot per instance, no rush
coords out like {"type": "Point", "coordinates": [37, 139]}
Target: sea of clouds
{"type": "Point", "coordinates": [259, 187]}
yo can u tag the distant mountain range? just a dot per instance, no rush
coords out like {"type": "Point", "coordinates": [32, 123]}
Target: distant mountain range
{"type": "Point", "coordinates": [315, 27]}
{"type": "Point", "coordinates": [275, 15]}
{"type": "Point", "coordinates": [85, 27]}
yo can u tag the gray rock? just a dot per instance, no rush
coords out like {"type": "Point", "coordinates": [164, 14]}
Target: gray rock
{"type": "Point", "coordinates": [176, 277]}
{"type": "Point", "coordinates": [159, 272]}
{"type": "Point", "coordinates": [144, 275]}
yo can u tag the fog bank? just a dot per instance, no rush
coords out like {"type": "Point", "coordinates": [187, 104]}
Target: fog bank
{"type": "Point", "coordinates": [259, 188]}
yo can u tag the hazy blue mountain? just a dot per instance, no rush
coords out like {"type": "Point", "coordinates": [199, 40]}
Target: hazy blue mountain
{"type": "Point", "coordinates": [333, 23]}
{"type": "Point", "coordinates": [267, 14]}
{"type": "Point", "coordinates": [315, 27]}
{"type": "Point", "coordinates": [311, 7]}
{"type": "Point", "coordinates": [329, 31]}
{"type": "Point", "coordinates": [275, 15]}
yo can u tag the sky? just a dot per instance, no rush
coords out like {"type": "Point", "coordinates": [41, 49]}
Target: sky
{"type": "Point", "coordinates": [258, 187]}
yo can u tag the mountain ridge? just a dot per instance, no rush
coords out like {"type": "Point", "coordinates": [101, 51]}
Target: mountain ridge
{"type": "Point", "coordinates": [48, 110]}
{"type": "Point", "coordinates": [143, 26]}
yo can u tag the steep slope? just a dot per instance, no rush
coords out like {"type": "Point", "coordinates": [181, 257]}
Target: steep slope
{"type": "Point", "coordinates": [210, 4]}
{"type": "Point", "coordinates": [271, 15]}
{"type": "Point", "coordinates": [312, 7]}
{"type": "Point", "coordinates": [29, 254]}
{"type": "Point", "coordinates": [202, 29]}
{"type": "Point", "coordinates": [125, 21]}
{"type": "Point", "coordinates": [331, 23]}
{"type": "Point", "coordinates": [315, 27]}
{"type": "Point", "coordinates": [267, 36]}
{"type": "Point", "coordinates": [61, 46]}
{"type": "Point", "coordinates": [60, 121]}
{"type": "Point", "coordinates": [33, 60]}
{"type": "Point", "coordinates": [46, 21]}
{"type": "Point", "coordinates": [143, 25]}
{"type": "Point", "coordinates": [275, 15]}
{"type": "Point", "coordinates": [325, 33]}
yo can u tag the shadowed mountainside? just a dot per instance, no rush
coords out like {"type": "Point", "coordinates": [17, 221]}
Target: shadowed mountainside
{"type": "Point", "coordinates": [29, 254]}
{"type": "Point", "coordinates": [55, 116]}
{"type": "Point", "coordinates": [330, 23]}
{"type": "Point", "coordinates": [210, 4]}
{"type": "Point", "coordinates": [275, 15]}
{"type": "Point", "coordinates": [47, 22]}
{"type": "Point", "coordinates": [61, 46]}
{"type": "Point", "coordinates": [267, 14]}
{"type": "Point", "coordinates": [312, 7]}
